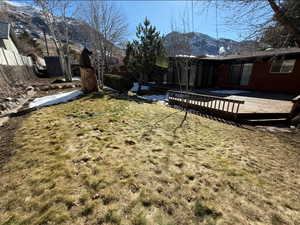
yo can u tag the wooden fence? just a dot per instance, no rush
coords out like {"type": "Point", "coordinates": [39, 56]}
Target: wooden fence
{"type": "Point", "coordinates": [210, 105]}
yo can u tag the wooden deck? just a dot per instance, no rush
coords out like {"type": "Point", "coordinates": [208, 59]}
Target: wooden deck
{"type": "Point", "coordinates": [238, 106]}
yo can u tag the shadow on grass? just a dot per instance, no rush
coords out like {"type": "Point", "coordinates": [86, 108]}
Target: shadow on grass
{"type": "Point", "coordinates": [93, 96]}
{"type": "Point", "coordinates": [228, 122]}
{"type": "Point", "coordinates": [126, 97]}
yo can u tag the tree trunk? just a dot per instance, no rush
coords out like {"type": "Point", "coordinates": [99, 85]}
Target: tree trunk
{"type": "Point", "coordinates": [284, 21]}
{"type": "Point", "coordinates": [68, 76]}
{"type": "Point", "coordinates": [102, 70]}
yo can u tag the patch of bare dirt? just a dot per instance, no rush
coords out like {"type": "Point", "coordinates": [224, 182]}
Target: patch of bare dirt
{"type": "Point", "coordinates": [7, 133]}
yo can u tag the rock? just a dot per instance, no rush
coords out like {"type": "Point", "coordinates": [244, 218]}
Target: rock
{"type": "Point", "coordinates": [44, 88]}
{"type": "Point", "coordinates": [9, 99]}
{"type": "Point", "coordinates": [129, 142]}
{"type": "Point", "coordinates": [96, 196]}
{"type": "Point", "coordinates": [57, 81]}
{"type": "Point", "coordinates": [29, 88]}
{"type": "Point", "coordinates": [2, 107]}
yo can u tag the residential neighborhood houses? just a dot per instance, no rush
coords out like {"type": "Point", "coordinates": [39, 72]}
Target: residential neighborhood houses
{"type": "Point", "coordinates": [110, 115]}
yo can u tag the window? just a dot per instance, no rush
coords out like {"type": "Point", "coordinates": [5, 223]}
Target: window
{"type": "Point", "coordinates": [246, 74]}
{"type": "Point", "coordinates": [235, 75]}
{"type": "Point", "coordinates": [288, 66]}
{"type": "Point", "coordinates": [283, 66]}
{"type": "Point", "coordinates": [240, 74]}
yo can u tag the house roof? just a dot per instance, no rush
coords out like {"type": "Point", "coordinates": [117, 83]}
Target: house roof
{"type": "Point", "coordinates": [249, 55]}
{"type": "Point", "coordinates": [258, 54]}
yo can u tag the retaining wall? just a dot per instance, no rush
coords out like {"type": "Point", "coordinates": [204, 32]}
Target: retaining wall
{"type": "Point", "coordinates": [10, 58]}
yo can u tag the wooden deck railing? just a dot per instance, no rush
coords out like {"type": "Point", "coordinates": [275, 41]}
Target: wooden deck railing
{"type": "Point", "coordinates": [206, 104]}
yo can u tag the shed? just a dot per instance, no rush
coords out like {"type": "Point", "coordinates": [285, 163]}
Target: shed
{"type": "Point", "coordinates": [53, 66]}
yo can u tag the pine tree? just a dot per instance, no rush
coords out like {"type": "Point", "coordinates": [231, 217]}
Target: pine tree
{"type": "Point", "coordinates": [143, 53]}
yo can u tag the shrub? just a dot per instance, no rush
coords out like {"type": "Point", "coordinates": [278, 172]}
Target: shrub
{"type": "Point", "coordinates": [117, 82]}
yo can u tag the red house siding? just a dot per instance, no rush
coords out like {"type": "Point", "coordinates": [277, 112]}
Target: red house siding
{"type": "Point", "coordinates": [262, 80]}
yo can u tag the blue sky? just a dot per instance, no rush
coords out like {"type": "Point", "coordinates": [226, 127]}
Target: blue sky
{"type": "Point", "coordinates": [163, 13]}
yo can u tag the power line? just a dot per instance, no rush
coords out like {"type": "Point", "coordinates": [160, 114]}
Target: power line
{"type": "Point", "coordinates": [193, 16]}
{"type": "Point", "coordinates": [217, 27]}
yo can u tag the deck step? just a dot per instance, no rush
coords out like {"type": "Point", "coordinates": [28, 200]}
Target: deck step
{"type": "Point", "coordinates": [263, 116]}
{"type": "Point", "coordinates": [266, 122]}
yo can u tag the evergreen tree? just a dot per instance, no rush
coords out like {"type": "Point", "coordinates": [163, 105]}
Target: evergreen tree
{"type": "Point", "coordinates": [142, 54]}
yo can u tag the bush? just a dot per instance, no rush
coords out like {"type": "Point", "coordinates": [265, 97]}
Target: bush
{"type": "Point", "coordinates": [117, 82]}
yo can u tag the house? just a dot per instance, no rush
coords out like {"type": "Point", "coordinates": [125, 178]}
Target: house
{"type": "Point", "coordinates": [271, 71]}
{"type": "Point", "coordinates": [8, 38]}
{"type": "Point", "coordinates": [198, 72]}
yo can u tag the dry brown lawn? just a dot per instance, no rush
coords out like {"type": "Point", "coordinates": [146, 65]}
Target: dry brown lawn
{"type": "Point", "coordinates": [105, 160]}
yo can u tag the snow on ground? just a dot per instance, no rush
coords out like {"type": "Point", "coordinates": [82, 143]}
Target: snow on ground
{"type": "Point", "coordinates": [186, 56]}
{"type": "Point", "coordinates": [55, 99]}
{"type": "Point", "coordinates": [73, 79]}
{"type": "Point", "coordinates": [136, 87]}
{"type": "Point", "coordinates": [210, 56]}
{"type": "Point", "coordinates": [230, 92]}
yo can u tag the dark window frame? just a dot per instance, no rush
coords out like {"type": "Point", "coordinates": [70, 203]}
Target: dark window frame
{"type": "Point", "coordinates": [282, 61]}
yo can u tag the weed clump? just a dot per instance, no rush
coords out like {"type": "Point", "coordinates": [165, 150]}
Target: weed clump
{"type": "Point", "coordinates": [112, 217]}
{"type": "Point", "coordinates": [139, 220]}
{"type": "Point", "coordinates": [203, 211]}
{"type": "Point", "coordinates": [87, 211]}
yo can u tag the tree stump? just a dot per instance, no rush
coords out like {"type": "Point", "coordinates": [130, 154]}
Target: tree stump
{"type": "Point", "coordinates": [88, 79]}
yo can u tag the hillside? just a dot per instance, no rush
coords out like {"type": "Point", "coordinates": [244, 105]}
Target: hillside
{"type": "Point", "coordinates": [194, 43]}
{"type": "Point", "coordinates": [26, 17]}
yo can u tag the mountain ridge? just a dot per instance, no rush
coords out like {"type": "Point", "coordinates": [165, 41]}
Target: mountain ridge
{"type": "Point", "coordinates": [26, 17]}
{"type": "Point", "coordinates": [196, 43]}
